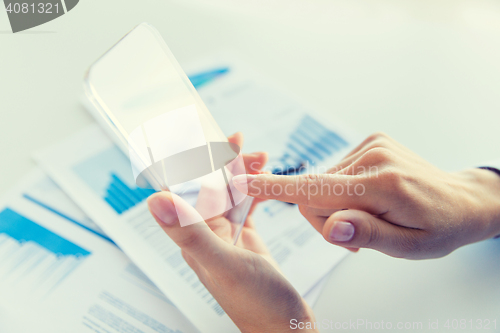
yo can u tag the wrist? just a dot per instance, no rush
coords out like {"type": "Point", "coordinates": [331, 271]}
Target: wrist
{"type": "Point", "coordinates": [483, 189]}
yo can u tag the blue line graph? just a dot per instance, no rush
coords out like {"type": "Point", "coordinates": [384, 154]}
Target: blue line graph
{"type": "Point", "coordinates": [61, 214]}
{"type": "Point", "coordinates": [109, 174]}
{"type": "Point", "coordinates": [23, 230]}
{"type": "Point", "coordinates": [310, 142]}
{"type": "Point", "coordinates": [34, 257]}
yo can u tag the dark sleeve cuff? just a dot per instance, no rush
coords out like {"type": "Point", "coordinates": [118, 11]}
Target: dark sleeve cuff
{"type": "Point", "coordinates": [495, 170]}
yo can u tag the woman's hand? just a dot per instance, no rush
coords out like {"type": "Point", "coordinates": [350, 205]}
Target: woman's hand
{"type": "Point", "coordinates": [244, 279]}
{"type": "Point", "coordinates": [385, 197]}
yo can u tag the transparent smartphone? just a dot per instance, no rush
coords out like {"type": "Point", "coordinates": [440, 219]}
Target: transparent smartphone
{"type": "Point", "coordinates": [172, 140]}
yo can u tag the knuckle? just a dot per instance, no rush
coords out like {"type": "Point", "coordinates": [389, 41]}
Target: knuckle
{"type": "Point", "coordinates": [378, 136]}
{"type": "Point", "coordinates": [190, 241]}
{"type": "Point", "coordinates": [382, 153]}
{"type": "Point", "coordinates": [374, 234]}
{"type": "Point", "coordinates": [376, 155]}
{"type": "Point", "coordinates": [313, 179]}
{"type": "Point", "coordinates": [310, 178]}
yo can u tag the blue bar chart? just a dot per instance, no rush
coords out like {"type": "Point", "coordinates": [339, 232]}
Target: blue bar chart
{"type": "Point", "coordinates": [109, 174]}
{"type": "Point", "coordinates": [122, 197]}
{"type": "Point", "coordinates": [310, 143]}
{"type": "Point", "coordinates": [33, 257]}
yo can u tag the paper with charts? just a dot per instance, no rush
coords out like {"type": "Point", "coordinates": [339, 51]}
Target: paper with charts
{"type": "Point", "coordinates": [97, 176]}
{"type": "Point", "coordinates": [66, 276]}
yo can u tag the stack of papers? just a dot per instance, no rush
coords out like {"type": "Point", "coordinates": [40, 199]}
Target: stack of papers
{"type": "Point", "coordinates": [80, 251]}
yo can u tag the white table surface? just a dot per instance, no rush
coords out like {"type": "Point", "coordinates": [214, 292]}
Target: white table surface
{"type": "Point", "coordinates": [425, 72]}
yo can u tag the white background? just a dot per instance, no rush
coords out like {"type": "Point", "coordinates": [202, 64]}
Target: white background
{"type": "Point", "coordinates": [426, 72]}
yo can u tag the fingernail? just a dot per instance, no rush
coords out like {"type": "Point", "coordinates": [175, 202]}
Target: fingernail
{"type": "Point", "coordinates": [163, 209]}
{"type": "Point", "coordinates": [243, 179]}
{"type": "Point", "coordinates": [341, 231]}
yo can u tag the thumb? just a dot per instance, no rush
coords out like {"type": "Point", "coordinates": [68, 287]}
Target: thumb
{"type": "Point", "coordinates": [358, 229]}
{"type": "Point", "coordinates": [197, 240]}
